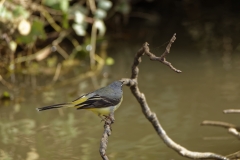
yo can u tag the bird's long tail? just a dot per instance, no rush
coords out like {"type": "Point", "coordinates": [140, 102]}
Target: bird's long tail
{"type": "Point", "coordinates": [62, 105]}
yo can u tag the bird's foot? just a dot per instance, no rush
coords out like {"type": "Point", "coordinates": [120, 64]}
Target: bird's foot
{"type": "Point", "coordinates": [107, 119]}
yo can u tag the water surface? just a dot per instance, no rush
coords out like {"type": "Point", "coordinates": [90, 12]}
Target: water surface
{"type": "Point", "coordinates": [207, 85]}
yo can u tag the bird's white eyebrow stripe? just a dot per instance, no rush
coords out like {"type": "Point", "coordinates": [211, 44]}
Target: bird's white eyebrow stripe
{"type": "Point", "coordinates": [95, 98]}
{"type": "Point", "coordinates": [82, 105]}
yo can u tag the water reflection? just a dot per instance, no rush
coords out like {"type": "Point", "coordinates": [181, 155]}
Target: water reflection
{"type": "Point", "coordinates": [17, 132]}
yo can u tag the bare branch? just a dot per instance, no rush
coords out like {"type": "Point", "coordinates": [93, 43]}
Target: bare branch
{"type": "Point", "coordinates": [234, 132]}
{"type": "Point", "coordinates": [133, 84]}
{"type": "Point", "coordinates": [5, 83]}
{"type": "Point", "coordinates": [218, 123]}
{"type": "Point", "coordinates": [106, 133]}
{"type": "Point", "coordinates": [231, 111]}
{"type": "Point", "coordinates": [162, 58]}
{"type": "Point", "coordinates": [233, 129]}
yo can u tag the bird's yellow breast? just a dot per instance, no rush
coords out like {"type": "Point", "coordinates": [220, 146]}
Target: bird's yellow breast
{"type": "Point", "coordinates": [105, 110]}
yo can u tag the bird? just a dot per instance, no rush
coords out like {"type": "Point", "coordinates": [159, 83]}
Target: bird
{"type": "Point", "coordinates": [102, 102]}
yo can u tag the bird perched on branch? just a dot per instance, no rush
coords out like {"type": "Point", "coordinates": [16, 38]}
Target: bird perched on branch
{"type": "Point", "coordinates": [103, 101]}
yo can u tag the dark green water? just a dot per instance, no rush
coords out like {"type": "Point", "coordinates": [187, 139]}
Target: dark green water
{"type": "Point", "coordinates": [209, 83]}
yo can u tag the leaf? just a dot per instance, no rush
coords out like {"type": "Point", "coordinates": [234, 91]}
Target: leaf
{"type": "Point", "coordinates": [100, 14]}
{"type": "Point", "coordinates": [79, 29]}
{"type": "Point", "coordinates": [79, 17]}
{"type": "Point", "coordinates": [37, 31]}
{"type": "Point", "coordinates": [4, 13]}
{"type": "Point", "coordinates": [24, 27]}
{"type": "Point", "coordinates": [19, 11]}
{"type": "Point", "coordinates": [78, 8]}
{"type": "Point", "coordinates": [99, 24]}
{"type": "Point", "coordinates": [13, 45]}
{"type": "Point", "coordinates": [5, 95]}
{"type": "Point", "coordinates": [104, 4]}
{"type": "Point", "coordinates": [110, 61]}
{"type": "Point", "coordinates": [64, 5]}
{"type": "Point", "coordinates": [50, 3]}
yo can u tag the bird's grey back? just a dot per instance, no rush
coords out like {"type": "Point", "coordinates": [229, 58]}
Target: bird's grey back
{"type": "Point", "coordinates": [112, 91]}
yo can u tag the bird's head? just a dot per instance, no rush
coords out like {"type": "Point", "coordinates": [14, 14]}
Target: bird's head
{"type": "Point", "coordinates": [116, 84]}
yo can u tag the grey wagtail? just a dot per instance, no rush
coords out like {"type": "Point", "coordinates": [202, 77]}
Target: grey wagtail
{"type": "Point", "coordinates": [103, 101]}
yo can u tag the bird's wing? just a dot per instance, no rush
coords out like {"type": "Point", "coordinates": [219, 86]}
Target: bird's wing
{"type": "Point", "coordinates": [96, 101]}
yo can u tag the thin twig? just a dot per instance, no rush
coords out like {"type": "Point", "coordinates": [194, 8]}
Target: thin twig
{"type": "Point", "coordinates": [57, 72]}
{"type": "Point", "coordinates": [162, 58]}
{"type": "Point", "coordinates": [233, 129]}
{"type": "Point", "coordinates": [133, 83]}
{"type": "Point", "coordinates": [234, 132]}
{"type": "Point", "coordinates": [218, 123]}
{"type": "Point", "coordinates": [62, 52]}
{"type": "Point", "coordinates": [5, 83]}
{"type": "Point", "coordinates": [93, 45]}
{"type": "Point", "coordinates": [231, 111]}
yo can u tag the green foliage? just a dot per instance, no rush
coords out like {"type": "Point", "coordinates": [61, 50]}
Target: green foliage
{"type": "Point", "coordinates": [105, 4]}
{"type": "Point", "coordinates": [19, 11]}
{"type": "Point", "coordinates": [5, 96]}
{"type": "Point", "coordinates": [64, 5]}
{"type": "Point", "coordinates": [110, 61]}
{"type": "Point", "coordinates": [37, 31]}
{"type": "Point", "coordinates": [12, 15]}
{"type": "Point", "coordinates": [54, 4]}
{"type": "Point", "coordinates": [23, 25]}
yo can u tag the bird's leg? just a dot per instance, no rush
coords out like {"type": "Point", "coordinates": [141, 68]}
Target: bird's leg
{"type": "Point", "coordinates": [102, 119]}
{"type": "Point", "coordinates": [110, 117]}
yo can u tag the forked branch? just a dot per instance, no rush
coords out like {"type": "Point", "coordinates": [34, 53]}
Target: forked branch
{"type": "Point", "coordinates": [151, 116]}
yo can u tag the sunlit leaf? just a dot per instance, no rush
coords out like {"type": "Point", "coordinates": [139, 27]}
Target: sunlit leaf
{"type": "Point", "coordinates": [19, 11]}
{"type": "Point", "coordinates": [24, 27]}
{"type": "Point", "coordinates": [104, 4]}
{"type": "Point", "coordinates": [100, 14]}
{"type": "Point", "coordinates": [79, 29]}
{"type": "Point", "coordinates": [110, 61]}
{"type": "Point", "coordinates": [5, 96]}
{"type": "Point", "coordinates": [78, 8]}
{"type": "Point", "coordinates": [13, 45]}
{"type": "Point", "coordinates": [37, 31]}
{"type": "Point", "coordinates": [99, 24]}
{"type": "Point", "coordinates": [64, 5]}
{"type": "Point", "coordinates": [79, 17]}
{"type": "Point", "coordinates": [4, 13]}
{"type": "Point", "coordinates": [50, 3]}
